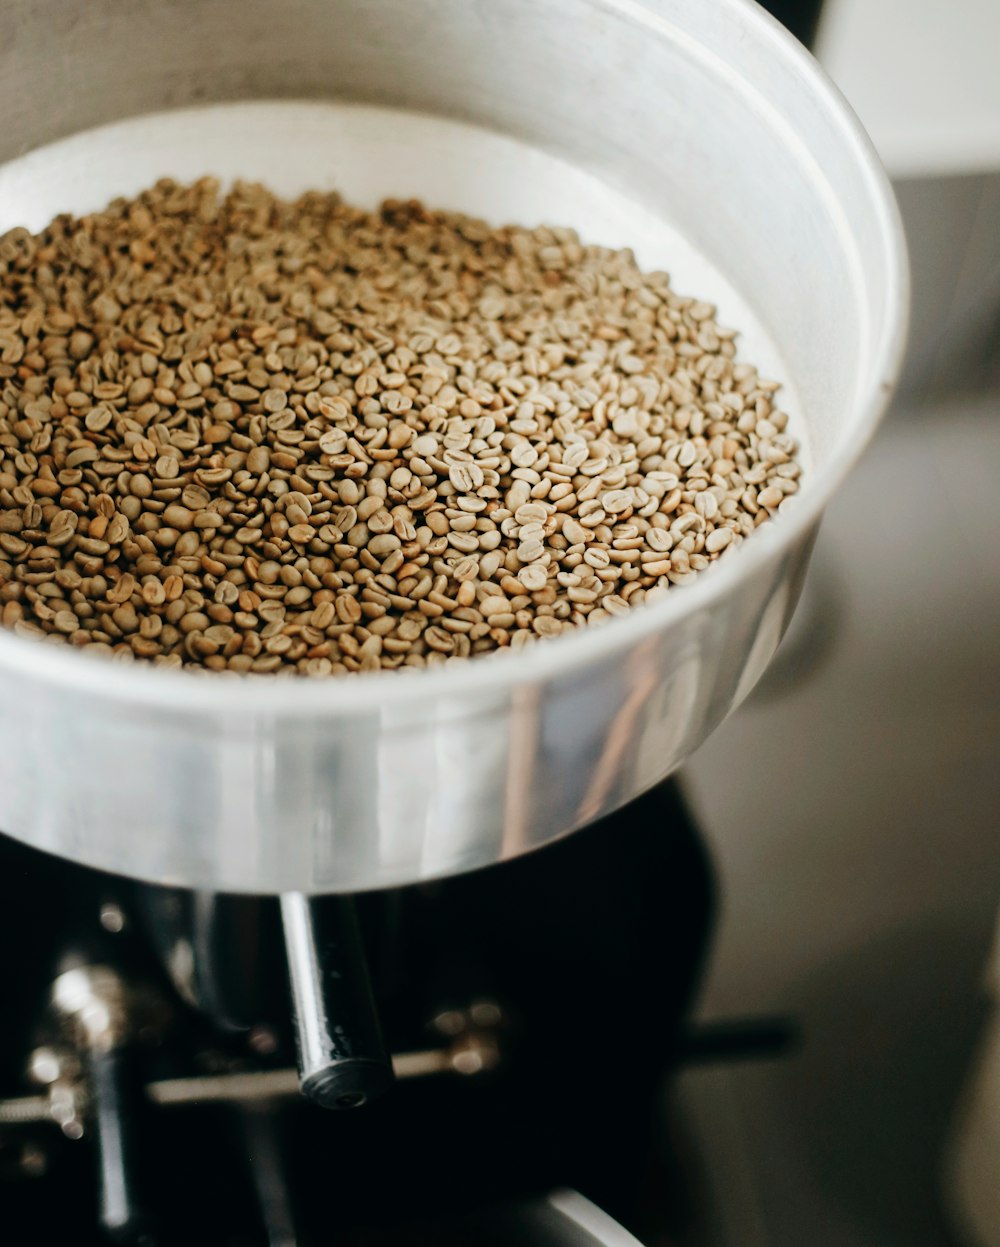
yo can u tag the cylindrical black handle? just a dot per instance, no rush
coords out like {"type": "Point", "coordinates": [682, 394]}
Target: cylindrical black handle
{"type": "Point", "coordinates": [343, 1062]}
{"type": "Point", "coordinates": [114, 1103]}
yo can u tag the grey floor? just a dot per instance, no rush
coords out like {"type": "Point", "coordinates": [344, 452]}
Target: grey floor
{"type": "Point", "coordinates": [853, 808]}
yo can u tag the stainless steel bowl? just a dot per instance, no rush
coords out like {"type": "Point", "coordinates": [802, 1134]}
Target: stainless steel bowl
{"type": "Point", "coordinates": [708, 111]}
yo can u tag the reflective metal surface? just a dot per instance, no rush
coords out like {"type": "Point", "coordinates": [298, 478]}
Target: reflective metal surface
{"type": "Point", "coordinates": [709, 111]}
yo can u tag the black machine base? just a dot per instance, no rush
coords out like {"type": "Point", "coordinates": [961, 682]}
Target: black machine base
{"type": "Point", "coordinates": [579, 962]}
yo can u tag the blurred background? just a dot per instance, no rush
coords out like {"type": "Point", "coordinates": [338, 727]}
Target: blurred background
{"type": "Point", "coordinates": [857, 839]}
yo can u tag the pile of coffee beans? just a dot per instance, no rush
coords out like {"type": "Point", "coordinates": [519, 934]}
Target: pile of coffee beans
{"type": "Point", "coordinates": [248, 435]}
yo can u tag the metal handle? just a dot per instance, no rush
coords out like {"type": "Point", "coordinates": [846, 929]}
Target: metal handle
{"type": "Point", "coordinates": [342, 1059]}
{"type": "Point", "coordinates": [114, 1105]}
{"type": "Point", "coordinates": [473, 1050]}
{"type": "Point", "coordinates": [95, 1007]}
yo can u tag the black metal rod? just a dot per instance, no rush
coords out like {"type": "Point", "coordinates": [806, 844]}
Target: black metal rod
{"type": "Point", "coordinates": [342, 1058]}
{"type": "Point", "coordinates": [268, 1172]}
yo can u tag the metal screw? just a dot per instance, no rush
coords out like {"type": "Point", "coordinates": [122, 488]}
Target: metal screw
{"type": "Point", "coordinates": [46, 1065]}
{"type": "Point", "coordinates": [486, 1013]}
{"type": "Point", "coordinates": [474, 1054]}
{"type": "Point", "coordinates": [262, 1040]}
{"type": "Point", "coordinates": [112, 918]}
{"type": "Point", "coordinates": [66, 1109]}
{"type": "Point", "coordinates": [33, 1161]}
{"type": "Point", "coordinates": [24, 1110]}
{"type": "Point", "coordinates": [450, 1022]}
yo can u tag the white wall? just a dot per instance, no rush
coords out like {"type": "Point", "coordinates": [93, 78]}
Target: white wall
{"type": "Point", "coordinates": [853, 809]}
{"type": "Point", "coordinates": [923, 76]}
